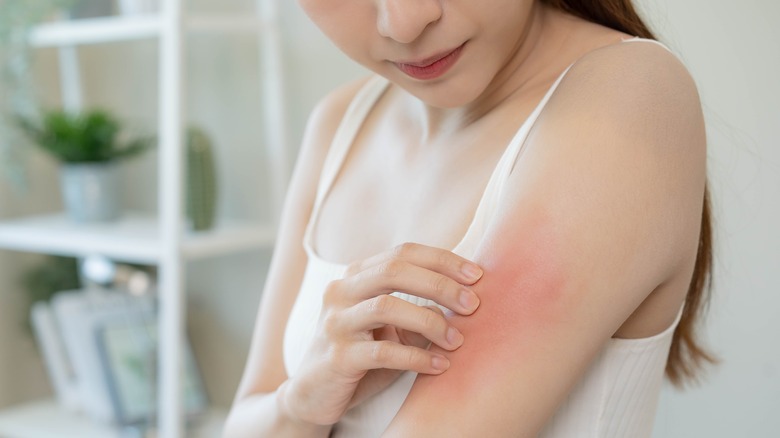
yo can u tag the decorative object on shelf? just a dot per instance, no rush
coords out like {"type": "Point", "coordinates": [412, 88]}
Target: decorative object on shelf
{"type": "Point", "coordinates": [16, 90]}
{"type": "Point", "coordinates": [64, 323]}
{"type": "Point", "coordinates": [137, 280]}
{"type": "Point", "coordinates": [201, 204]}
{"type": "Point", "coordinates": [57, 273]}
{"type": "Point", "coordinates": [100, 350]}
{"type": "Point", "coordinates": [89, 148]}
{"type": "Point", "coordinates": [138, 7]}
{"type": "Point", "coordinates": [43, 280]}
{"type": "Point", "coordinates": [91, 191]}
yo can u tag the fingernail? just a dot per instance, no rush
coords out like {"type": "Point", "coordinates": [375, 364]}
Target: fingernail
{"type": "Point", "coordinates": [454, 337]}
{"type": "Point", "coordinates": [440, 363]}
{"type": "Point", "coordinates": [468, 300]}
{"type": "Point", "coordinates": [471, 271]}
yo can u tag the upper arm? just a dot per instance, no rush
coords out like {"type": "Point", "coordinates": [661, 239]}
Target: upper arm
{"type": "Point", "coordinates": [603, 206]}
{"type": "Point", "coordinates": [264, 370]}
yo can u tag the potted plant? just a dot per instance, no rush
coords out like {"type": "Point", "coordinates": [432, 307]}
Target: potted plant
{"type": "Point", "coordinates": [89, 148]}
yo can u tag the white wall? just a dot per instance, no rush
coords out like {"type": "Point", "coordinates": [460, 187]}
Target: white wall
{"type": "Point", "coordinates": [21, 372]}
{"type": "Point", "coordinates": [733, 52]}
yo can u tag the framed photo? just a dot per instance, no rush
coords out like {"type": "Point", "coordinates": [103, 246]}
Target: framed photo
{"type": "Point", "coordinates": [69, 334]}
{"type": "Point", "coordinates": [128, 351]}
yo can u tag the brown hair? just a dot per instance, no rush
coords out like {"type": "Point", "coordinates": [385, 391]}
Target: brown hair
{"type": "Point", "coordinates": [686, 356]}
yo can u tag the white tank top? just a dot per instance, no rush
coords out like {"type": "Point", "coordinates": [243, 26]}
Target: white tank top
{"type": "Point", "coordinates": [616, 397]}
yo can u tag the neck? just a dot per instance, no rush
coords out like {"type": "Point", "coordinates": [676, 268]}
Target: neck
{"type": "Point", "coordinates": [534, 51]}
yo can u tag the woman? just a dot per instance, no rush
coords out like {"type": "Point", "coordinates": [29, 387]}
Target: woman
{"type": "Point", "coordinates": [549, 168]}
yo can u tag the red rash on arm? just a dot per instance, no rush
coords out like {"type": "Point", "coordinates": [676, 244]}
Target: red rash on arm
{"type": "Point", "coordinates": [525, 298]}
{"type": "Point", "coordinates": [522, 292]}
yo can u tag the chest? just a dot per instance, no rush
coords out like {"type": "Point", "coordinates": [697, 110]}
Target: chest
{"type": "Point", "coordinates": [393, 188]}
{"type": "Point", "coordinates": [387, 193]}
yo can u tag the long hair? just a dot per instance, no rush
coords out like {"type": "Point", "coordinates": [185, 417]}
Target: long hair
{"type": "Point", "coordinates": [686, 356]}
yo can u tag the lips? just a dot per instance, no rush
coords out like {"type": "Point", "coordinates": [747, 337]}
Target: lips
{"type": "Point", "coordinates": [431, 67]}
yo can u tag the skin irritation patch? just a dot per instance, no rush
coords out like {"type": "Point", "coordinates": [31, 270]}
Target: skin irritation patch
{"type": "Point", "coordinates": [523, 296]}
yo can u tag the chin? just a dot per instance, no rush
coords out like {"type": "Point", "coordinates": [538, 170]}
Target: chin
{"type": "Point", "coordinates": [446, 94]}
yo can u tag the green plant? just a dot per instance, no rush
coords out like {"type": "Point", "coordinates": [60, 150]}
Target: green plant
{"type": "Point", "coordinates": [201, 201]}
{"type": "Point", "coordinates": [89, 137]}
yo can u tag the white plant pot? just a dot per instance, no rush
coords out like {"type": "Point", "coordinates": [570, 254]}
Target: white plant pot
{"type": "Point", "coordinates": [138, 7]}
{"type": "Point", "coordinates": [90, 191]}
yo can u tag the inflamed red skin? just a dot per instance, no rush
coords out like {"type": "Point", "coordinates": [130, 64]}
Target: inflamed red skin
{"type": "Point", "coordinates": [522, 293]}
{"type": "Point", "coordinates": [527, 304]}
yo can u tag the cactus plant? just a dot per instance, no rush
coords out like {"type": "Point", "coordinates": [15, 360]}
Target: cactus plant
{"type": "Point", "coordinates": [201, 180]}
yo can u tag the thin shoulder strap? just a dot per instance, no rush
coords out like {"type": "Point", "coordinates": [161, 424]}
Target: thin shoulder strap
{"type": "Point", "coordinates": [350, 125]}
{"type": "Point", "coordinates": [514, 149]}
{"type": "Point", "coordinates": [648, 40]}
{"type": "Point", "coordinates": [495, 187]}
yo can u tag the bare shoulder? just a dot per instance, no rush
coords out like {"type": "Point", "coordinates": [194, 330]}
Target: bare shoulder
{"type": "Point", "coordinates": [642, 58]}
{"type": "Point", "coordinates": [622, 111]}
{"type": "Point", "coordinates": [326, 117]}
{"type": "Point", "coordinates": [634, 95]}
{"type": "Point", "coordinates": [639, 81]}
{"type": "Point", "coordinates": [320, 129]}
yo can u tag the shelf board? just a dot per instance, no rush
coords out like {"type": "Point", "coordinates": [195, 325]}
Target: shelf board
{"type": "Point", "coordinates": [95, 30]}
{"type": "Point", "coordinates": [134, 238]}
{"type": "Point", "coordinates": [46, 419]}
{"type": "Point", "coordinates": [120, 28]}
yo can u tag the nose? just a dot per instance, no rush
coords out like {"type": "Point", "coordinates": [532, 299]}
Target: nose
{"type": "Point", "coordinates": [405, 20]}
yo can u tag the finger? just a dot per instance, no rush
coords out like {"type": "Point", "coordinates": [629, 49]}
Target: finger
{"type": "Point", "coordinates": [399, 275]}
{"type": "Point", "coordinates": [415, 339]}
{"type": "Point", "coordinates": [439, 260]}
{"type": "Point", "coordinates": [372, 355]}
{"type": "Point", "coordinates": [386, 310]}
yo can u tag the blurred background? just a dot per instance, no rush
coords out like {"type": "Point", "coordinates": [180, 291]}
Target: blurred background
{"type": "Point", "coordinates": [731, 49]}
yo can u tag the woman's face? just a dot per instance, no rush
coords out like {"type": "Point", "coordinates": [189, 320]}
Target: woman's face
{"type": "Point", "coordinates": [445, 52]}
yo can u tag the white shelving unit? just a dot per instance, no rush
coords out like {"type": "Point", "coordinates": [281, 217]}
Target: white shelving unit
{"type": "Point", "coordinates": [116, 29]}
{"type": "Point", "coordinates": [159, 240]}
{"type": "Point", "coordinates": [134, 238]}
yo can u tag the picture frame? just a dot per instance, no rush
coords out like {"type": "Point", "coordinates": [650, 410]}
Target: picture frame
{"type": "Point", "coordinates": [128, 351]}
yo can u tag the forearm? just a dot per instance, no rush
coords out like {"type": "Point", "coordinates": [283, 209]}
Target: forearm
{"type": "Point", "coordinates": [263, 415]}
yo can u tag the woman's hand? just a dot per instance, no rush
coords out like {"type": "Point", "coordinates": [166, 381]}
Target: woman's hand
{"type": "Point", "coordinates": [366, 337]}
